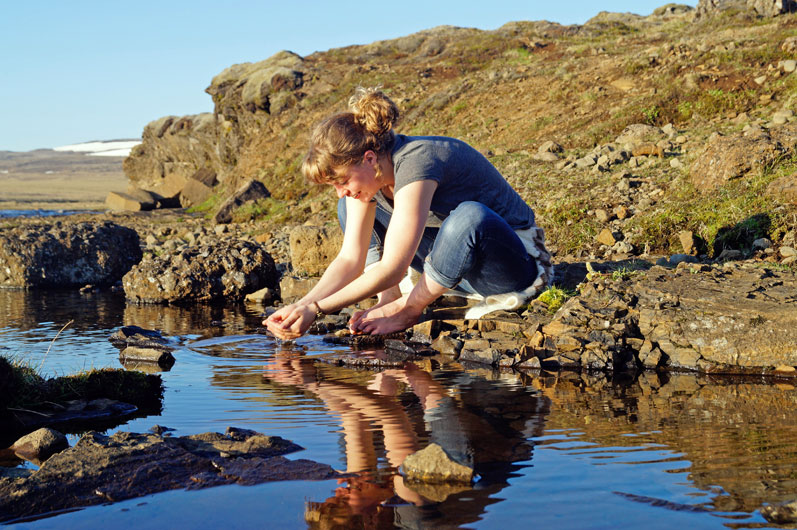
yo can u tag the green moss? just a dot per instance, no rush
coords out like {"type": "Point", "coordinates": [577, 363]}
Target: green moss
{"type": "Point", "coordinates": [271, 209]}
{"type": "Point", "coordinates": [554, 297]}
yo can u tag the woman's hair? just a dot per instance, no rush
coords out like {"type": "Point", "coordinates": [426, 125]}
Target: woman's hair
{"type": "Point", "coordinates": [342, 139]}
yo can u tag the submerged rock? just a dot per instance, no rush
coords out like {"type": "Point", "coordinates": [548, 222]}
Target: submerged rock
{"type": "Point", "coordinates": [125, 465]}
{"type": "Point", "coordinates": [785, 513]}
{"type": "Point", "coordinates": [67, 254]}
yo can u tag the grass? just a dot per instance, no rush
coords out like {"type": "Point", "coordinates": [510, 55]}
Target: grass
{"type": "Point", "coordinates": [270, 209]}
{"type": "Point", "coordinates": [737, 214]}
{"type": "Point", "coordinates": [23, 387]}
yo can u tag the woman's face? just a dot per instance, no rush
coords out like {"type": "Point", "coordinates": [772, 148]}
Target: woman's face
{"type": "Point", "coordinates": [359, 181]}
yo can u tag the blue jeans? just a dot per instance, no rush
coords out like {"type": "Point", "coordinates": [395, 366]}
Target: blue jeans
{"type": "Point", "coordinates": [475, 250]}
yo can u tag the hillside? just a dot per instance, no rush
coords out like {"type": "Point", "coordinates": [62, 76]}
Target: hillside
{"type": "Point", "coordinates": [709, 94]}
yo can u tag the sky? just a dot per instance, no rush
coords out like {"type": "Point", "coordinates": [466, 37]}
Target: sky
{"type": "Point", "coordinates": [79, 70]}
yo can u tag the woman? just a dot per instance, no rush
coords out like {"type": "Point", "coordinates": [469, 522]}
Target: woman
{"type": "Point", "coordinates": [433, 203]}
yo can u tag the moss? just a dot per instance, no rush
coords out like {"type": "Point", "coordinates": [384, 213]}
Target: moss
{"type": "Point", "coordinates": [554, 297]}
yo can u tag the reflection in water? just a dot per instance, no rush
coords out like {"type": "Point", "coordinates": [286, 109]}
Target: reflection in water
{"type": "Point", "coordinates": [679, 449]}
{"type": "Point", "coordinates": [393, 413]}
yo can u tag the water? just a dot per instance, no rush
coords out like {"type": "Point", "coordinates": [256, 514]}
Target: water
{"type": "Point", "coordinates": [552, 450]}
{"type": "Point", "coordinates": [38, 212]}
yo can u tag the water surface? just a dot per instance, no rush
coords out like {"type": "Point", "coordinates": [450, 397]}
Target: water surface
{"type": "Point", "coordinates": [555, 450]}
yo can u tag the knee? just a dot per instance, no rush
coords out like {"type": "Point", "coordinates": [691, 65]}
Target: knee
{"type": "Point", "coordinates": [466, 217]}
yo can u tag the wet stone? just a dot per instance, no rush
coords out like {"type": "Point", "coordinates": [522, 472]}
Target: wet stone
{"type": "Point", "coordinates": [40, 445]}
{"type": "Point", "coordinates": [785, 513]}
{"type": "Point", "coordinates": [408, 347]}
{"type": "Point", "coordinates": [147, 355]}
{"type": "Point", "coordinates": [434, 465]}
{"type": "Point", "coordinates": [140, 337]}
{"type": "Point", "coordinates": [126, 465]}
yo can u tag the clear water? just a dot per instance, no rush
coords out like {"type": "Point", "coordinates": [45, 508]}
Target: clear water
{"type": "Point", "coordinates": [38, 212]}
{"type": "Point", "coordinates": [552, 450]}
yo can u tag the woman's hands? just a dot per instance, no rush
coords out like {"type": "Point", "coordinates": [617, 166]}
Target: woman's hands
{"type": "Point", "coordinates": [292, 321]}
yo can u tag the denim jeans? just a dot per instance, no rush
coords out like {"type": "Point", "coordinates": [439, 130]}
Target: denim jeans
{"type": "Point", "coordinates": [474, 250]}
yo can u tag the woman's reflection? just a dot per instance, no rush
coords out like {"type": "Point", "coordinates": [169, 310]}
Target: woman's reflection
{"type": "Point", "coordinates": [392, 414]}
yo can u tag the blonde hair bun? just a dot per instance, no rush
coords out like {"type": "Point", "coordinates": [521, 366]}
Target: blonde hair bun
{"type": "Point", "coordinates": [373, 110]}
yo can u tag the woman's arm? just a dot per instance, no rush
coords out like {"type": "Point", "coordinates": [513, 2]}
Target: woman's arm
{"type": "Point", "coordinates": [410, 211]}
{"type": "Point", "coordinates": [293, 320]}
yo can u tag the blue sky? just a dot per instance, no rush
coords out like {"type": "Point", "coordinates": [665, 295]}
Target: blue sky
{"type": "Point", "coordinates": [77, 70]}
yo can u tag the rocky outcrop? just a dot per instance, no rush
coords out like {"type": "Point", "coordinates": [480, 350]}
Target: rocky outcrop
{"type": "Point", "coordinates": [228, 269]}
{"type": "Point", "coordinates": [67, 254]}
{"type": "Point", "coordinates": [764, 8]}
{"type": "Point", "coordinates": [100, 469]}
{"type": "Point", "coordinates": [174, 146]}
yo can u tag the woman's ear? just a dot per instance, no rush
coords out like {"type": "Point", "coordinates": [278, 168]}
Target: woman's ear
{"type": "Point", "coordinates": [370, 158]}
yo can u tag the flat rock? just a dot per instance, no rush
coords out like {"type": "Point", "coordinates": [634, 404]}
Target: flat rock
{"type": "Point", "coordinates": [100, 469]}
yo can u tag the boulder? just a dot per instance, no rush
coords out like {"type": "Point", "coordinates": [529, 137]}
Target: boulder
{"type": "Point", "coordinates": [730, 157]}
{"type": "Point", "coordinates": [639, 133]}
{"type": "Point", "coordinates": [784, 188]}
{"type": "Point", "coordinates": [137, 354]}
{"type": "Point", "coordinates": [433, 464]}
{"type": "Point", "coordinates": [194, 193]}
{"type": "Point", "coordinates": [228, 269]}
{"type": "Point", "coordinates": [67, 254]}
{"type": "Point", "coordinates": [40, 445]}
{"type": "Point", "coordinates": [133, 200]}
{"type": "Point", "coordinates": [251, 190]}
{"type": "Point", "coordinates": [313, 248]}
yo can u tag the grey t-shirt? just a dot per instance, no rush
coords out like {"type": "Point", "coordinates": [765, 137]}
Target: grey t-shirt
{"type": "Point", "coordinates": [462, 174]}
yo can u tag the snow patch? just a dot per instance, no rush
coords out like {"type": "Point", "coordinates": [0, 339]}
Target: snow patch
{"type": "Point", "coordinates": [110, 148]}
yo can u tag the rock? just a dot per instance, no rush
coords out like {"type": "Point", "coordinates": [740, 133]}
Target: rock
{"type": "Point", "coordinates": [251, 190]}
{"type": "Point", "coordinates": [67, 254]}
{"type": "Point", "coordinates": [730, 254]}
{"type": "Point", "coordinates": [229, 269]}
{"type": "Point", "coordinates": [637, 134]}
{"type": "Point", "coordinates": [785, 188]}
{"type": "Point", "coordinates": [688, 241]}
{"type": "Point", "coordinates": [100, 469]}
{"type": "Point", "coordinates": [761, 244]}
{"type": "Point", "coordinates": [788, 252]}
{"type": "Point", "coordinates": [764, 8]}
{"type": "Point", "coordinates": [136, 336]}
{"type": "Point", "coordinates": [206, 176]}
{"type": "Point", "coordinates": [784, 513]}
{"type": "Point", "coordinates": [550, 147]}
{"type": "Point", "coordinates": [313, 248]}
{"type": "Point", "coordinates": [447, 345]}
{"type": "Point", "coordinates": [194, 193]}
{"type": "Point", "coordinates": [675, 259]}
{"type": "Point", "coordinates": [545, 157]}
{"type": "Point", "coordinates": [602, 216]}
{"type": "Point", "coordinates": [40, 445]}
{"type": "Point", "coordinates": [138, 354]}
{"type": "Point", "coordinates": [433, 464]}
{"type": "Point", "coordinates": [606, 237]}
{"type": "Point", "coordinates": [263, 295]}
{"type": "Point", "coordinates": [132, 202]}
{"type": "Point", "coordinates": [789, 44]}
{"type": "Point", "coordinates": [731, 157]}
